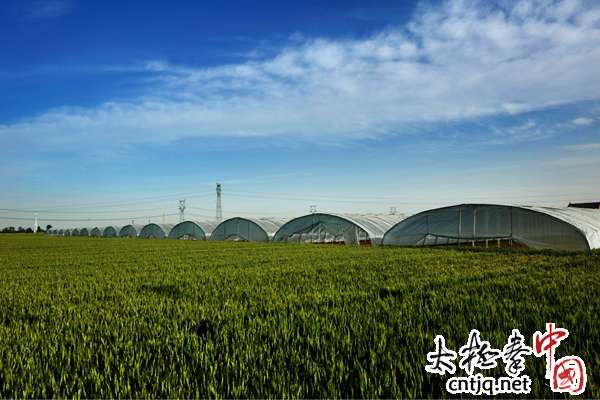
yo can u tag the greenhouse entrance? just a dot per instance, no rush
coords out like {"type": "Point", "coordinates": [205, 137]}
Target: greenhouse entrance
{"type": "Point", "coordinates": [331, 233]}
{"type": "Point", "coordinates": [441, 241]}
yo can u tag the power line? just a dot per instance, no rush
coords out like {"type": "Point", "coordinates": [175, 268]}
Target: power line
{"type": "Point", "coordinates": [87, 219]}
{"type": "Point", "coordinates": [21, 210]}
{"type": "Point", "coordinates": [109, 204]}
{"type": "Point", "coordinates": [71, 208]}
{"type": "Point", "coordinates": [209, 217]}
{"type": "Point", "coordinates": [416, 201]}
{"type": "Point", "coordinates": [236, 211]}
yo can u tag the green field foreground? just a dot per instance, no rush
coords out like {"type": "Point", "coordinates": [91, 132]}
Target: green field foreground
{"type": "Point", "coordinates": [89, 317]}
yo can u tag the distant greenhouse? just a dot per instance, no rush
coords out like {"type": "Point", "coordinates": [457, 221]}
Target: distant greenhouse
{"type": "Point", "coordinates": [247, 229]}
{"type": "Point", "coordinates": [130, 230]}
{"type": "Point", "coordinates": [155, 231]}
{"type": "Point", "coordinates": [110, 231]}
{"type": "Point", "coordinates": [96, 232]}
{"type": "Point", "coordinates": [193, 230]}
{"type": "Point", "coordinates": [74, 232]}
{"type": "Point", "coordinates": [337, 228]}
{"type": "Point", "coordinates": [84, 232]}
{"type": "Point", "coordinates": [500, 225]}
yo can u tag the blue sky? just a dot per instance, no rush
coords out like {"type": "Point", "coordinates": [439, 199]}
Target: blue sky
{"type": "Point", "coordinates": [118, 109]}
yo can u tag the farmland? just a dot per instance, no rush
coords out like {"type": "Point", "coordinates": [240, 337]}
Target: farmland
{"type": "Point", "coordinates": [91, 317]}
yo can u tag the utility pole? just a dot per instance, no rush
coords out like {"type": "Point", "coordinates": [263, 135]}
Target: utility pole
{"type": "Point", "coordinates": [219, 207]}
{"type": "Point", "coordinates": [35, 224]}
{"type": "Point", "coordinates": [181, 210]}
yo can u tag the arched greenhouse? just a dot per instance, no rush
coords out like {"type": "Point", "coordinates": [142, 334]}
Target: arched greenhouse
{"type": "Point", "coordinates": [500, 225]}
{"type": "Point", "coordinates": [337, 228]}
{"type": "Point", "coordinates": [96, 232]}
{"type": "Point", "coordinates": [74, 232]}
{"type": "Point", "coordinates": [110, 231]}
{"type": "Point", "coordinates": [247, 229]}
{"type": "Point", "coordinates": [155, 231]}
{"type": "Point", "coordinates": [84, 232]}
{"type": "Point", "coordinates": [130, 230]}
{"type": "Point", "coordinates": [192, 230]}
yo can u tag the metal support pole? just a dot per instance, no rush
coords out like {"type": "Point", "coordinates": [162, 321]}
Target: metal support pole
{"type": "Point", "coordinates": [459, 225]}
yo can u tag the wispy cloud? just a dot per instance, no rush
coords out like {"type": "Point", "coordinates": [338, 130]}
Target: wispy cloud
{"type": "Point", "coordinates": [525, 132]}
{"type": "Point", "coordinates": [583, 121]}
{"type": "Point", "coordinates": [582, 147]}
{"type": "Point", "coordinates": [456, 61]}
{"type": "Point", "coordinates": [40, 10]}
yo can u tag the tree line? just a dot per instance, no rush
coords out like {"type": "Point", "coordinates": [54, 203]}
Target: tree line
{"type": "Point", "coordinates": [20, 229]}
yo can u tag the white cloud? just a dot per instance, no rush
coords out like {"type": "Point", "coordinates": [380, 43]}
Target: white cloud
{"type": "Point", "coordinates": [583, 121]}
{"type": "Point", "coordinates": [455, 61]}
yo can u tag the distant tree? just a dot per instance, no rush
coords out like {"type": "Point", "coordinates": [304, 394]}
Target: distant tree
{"type": "Point", "coordinates": [48, 227]}
{"type": "Point", "coordinates": [20, 229]}
{"type": "Point", "coordinates": [28, 230]}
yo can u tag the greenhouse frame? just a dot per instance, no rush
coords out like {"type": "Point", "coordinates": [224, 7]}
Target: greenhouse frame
{"type": "Point", "coordinates": [192, 230]}
{"type": "Point", "coordinates": [131, 230]}
{"type": "Point", "coordinates": [350, 229]}
{"type": "Point", "coordinates": [110, 231]}
{"type": "Point", "coordinates": [96, 232]}
{"type": "Point", "coordinates": [155, 231]}
{"type": "Point", "coordinates": [500, 225]}
{"type": "Point", "coordinates": [247, 229]}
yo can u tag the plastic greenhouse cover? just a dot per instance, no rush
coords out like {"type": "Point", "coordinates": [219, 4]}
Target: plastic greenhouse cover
{"type": "Point", "coordinates": [206, 226]}
{"type": "Point", "coordinates": [267, 226]}
{"type": "Point", "coordinates": [587, 221]}
{"type": "Point", "coordinates": [563, 228]}
{"type": "Point", "coordinates": [375, 225]}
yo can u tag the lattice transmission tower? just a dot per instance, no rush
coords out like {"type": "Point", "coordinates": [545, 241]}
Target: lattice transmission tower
{"type": "Point", "coordinates": [219, 207]}
{"type": "Point", "coordinates": [181, 210]}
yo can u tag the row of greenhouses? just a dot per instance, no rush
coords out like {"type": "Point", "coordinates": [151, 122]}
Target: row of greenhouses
{"type": "Point", "coordinates": [486, 225]}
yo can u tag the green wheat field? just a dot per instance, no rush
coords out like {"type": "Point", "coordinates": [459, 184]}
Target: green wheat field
{"type": "Point", "coordinates": [85, 317]}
